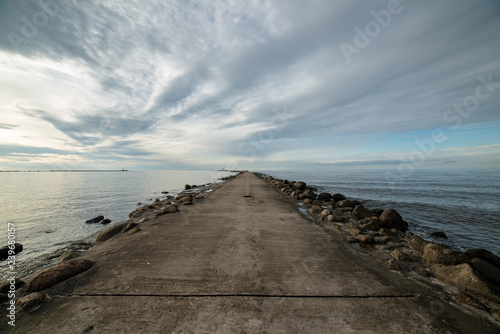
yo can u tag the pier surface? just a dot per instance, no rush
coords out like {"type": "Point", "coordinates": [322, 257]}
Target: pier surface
{"type": "Point", "coordinates": [243, 260]}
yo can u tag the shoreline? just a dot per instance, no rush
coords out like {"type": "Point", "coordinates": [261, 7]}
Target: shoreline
{"type": "Point", "coordinates": [392, 248]}
{"type": "Point", "coordinates": [431, 263]}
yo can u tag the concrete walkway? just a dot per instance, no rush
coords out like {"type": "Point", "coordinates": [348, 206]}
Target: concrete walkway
{"type": "Point", "coordinates": [235, 264]}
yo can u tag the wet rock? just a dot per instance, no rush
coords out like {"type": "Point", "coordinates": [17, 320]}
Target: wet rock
{"type": "Point", "coordinates": [362, 212]}
{"type": "Point", "coordinates": [483, 254]}
{"type": "Point", "coordinates": [57, 274]}
{"type": "Point", "coordinates": [168, 209]}
{"type": "Point", "coordinates": [30, 301]}
{"type": "Point", "coordinates": [165, 192]}
{"type": "Point", "coordinates": [109, 232]}
{"type": "Point", "coordinates": [15, 248]}
{"type": "Point", "coordinates": [187, 187]}
{"type": "Point", "coordinates": [417, 243]}
{"type": "Point", "coordinates": [464, 276]}
{"type": "Point", "coordinates": [338, 197]}
{"type": "Point", "coordinates": [345, 204]}
{"type": "Point", "coordinates": [487, 270]}
{"type": "Point", "coordinates": [325, 197]}
{"type": "Point", "coordinates": [105, 221]}
{"type": "Point", "coordinates": [299, 185]}
{"type": "Point", "coordinates": [7, 285]}
{"type": "Point", "coordinates": [68, 255]}
{"type": "Point", "coordinates": [439, 234]}
{"type": "Point", "coordinates": [95, 220]}
{"type": "Point", "coordinates": [441, 254]}
{"type": "Point", "coordinates": [393, 265]}
{"type": "Point", "coordinates": [390, 218]}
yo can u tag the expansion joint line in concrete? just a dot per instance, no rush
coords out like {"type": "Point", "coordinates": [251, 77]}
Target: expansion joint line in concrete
{"type": "Point", "coordinates": [242, 295]}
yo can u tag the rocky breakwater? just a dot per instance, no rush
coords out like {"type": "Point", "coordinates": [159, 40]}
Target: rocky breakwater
{"type": "Point", "coordinates": [471, 278]}
{"type": "Point", "coordinates": [34, 288]}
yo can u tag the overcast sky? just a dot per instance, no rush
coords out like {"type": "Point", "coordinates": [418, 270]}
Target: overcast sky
{"type": "Point", "coordinates": [249, 84]}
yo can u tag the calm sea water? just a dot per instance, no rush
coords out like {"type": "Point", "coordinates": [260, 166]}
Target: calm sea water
{"type": "Point", "coordinates": [49, 209]}
{"type": "Point", "coordinates": [465, 204]}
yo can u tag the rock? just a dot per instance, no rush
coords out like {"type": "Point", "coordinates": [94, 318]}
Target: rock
{"type": "Point", "coordinates": [315, 209]}
{"type": "Point", "coordinates": [441, 254]}
{"type": "Point", "coordinates": [381, 240]}
{"type": "Point", "coordinates": [307, 201]}
{"type": "Point", "coordinates": [373, 226]}
{"type": "Point", "coordinates": [439, 234]}
{"type": "Point", "coordinates": [187, 202]}
{"type": "Point", "coordinates": [325, 213]}
{"type": "Point", "coordinates": [390, 218]}
{"type": "Point", "coordinates": [405, 255]}
{"type": "Point", "coordinates": [187, 187]}
{"type": "Point", "coordinates": [15, 248]}
{"type": "Point", "coordinates": [139, 211]}
{"type": "Point", "coordinates": [95, 220]}
{"type": "Point", "coordinates": [417, 243]}
{"type": "Point", "coordinates": [325, 197]}
{"type": "Point", "coordinates": [168, 209]}
{"type": "Point", "coordinates": [129, 226]}
{"type": "Point", "coordinates": [376, 212]}
{"type": "Point", "coordinates": [464, 276]}
{"type": "Point", "coordinates": [308, 194]}
{"type": "Point", "coordinates": [199, 197]}
{"type": "Point", "coordinates": [109, 232]}
{"type": "Point", "coordinates": [365, 239]}
{"type": "Point", "coordinates": [133, 230]}
{"type": "Point", "coordinates": [6, 286]}
{"type": "Point", "coordinates": [485, 255]}
{"type": "Point", "coordinates": [68, 255]}
{"type": "Point", "coordinates": [351, 239]}
{"type": "Point", "coordinates": [422, 271]}
{"type": "Point", "coordinates": [30, 301]}
{"type": "Point", "coordinates": [105, 221]}
{"type": "Point", "coordinates": [356, 202]}
{"type": "Point", "coordinates": [165, 192]}
{"type": "Point", "coordinates": [362, 212]}
{"type": "Point", "coordinates": [57, 274]}
{"type": "Point", "coordinates": [338, 197]}
{"type": "Point", "coordinates": [299, 185]}
{"type": "Point", "coordinates": [345, 204]}
{"type": "Point", "coordinates": [392, 264]}
{"type": "Point", "coordinates": [487, 270]}
{"type": "Point", "coordinates": [353, 231]}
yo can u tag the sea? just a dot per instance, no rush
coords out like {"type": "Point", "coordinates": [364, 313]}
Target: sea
{"type": "Point", "coordinates": [49, 209]}
{"type": "Point", "coordinates": [465, 204]}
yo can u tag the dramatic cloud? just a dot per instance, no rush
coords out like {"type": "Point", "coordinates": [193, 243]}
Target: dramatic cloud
{"type": "Point", "coordinates": [248, 84]}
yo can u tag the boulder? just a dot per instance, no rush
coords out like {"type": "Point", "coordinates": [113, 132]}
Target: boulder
{"type": "Point", "coordinates": [95, 220]}
{"type": "Point", "coordinates": [405, 255]}
{"type": "Point", "coordinates": [105, 221]}
{"type": "Point", "coordinates": [4, 251]}
{"type": "Point", "coordinates": [325, 197]}
{"type": "Point", "coordinates": [463, 276]}
{"type": "Point", "coordinates": [187, 187]}
{"type": "Point", "coordinates": [133, 230]}
{"type": "Point", "coordinates": [168, 209]}
{"type": "Point", "coordinates": [373, 226]}
{"type": "Point", "coordinates": [299, 185]}
{"type": "Point", "coordinates": [441, 254]}
{"type": "Point", "coordinates": [199, 197]}
{"type": "Point", "coordinates": [109, 232]}
{"type": "Point", "coordinates": [325, 213]}
{"type": "Point", "coordinates": [390, 218]}
{"type": "Point", "coordinates": [345, 204]}
{"type": "Point", "coordinates": [376, 212]}
{"type": "Point", "coordinates": [338, 197]}
{"type": "Point", "coordinates": [68, 255]}
{"type": "Point", "coordinates": [315, 209]}
{"type": "Point", "coordinates": [129, 226]}
{"type": "Point", "coordinates": [485, 255]}
{"type": "Point", "coordinates": [57, 274]}
{"type": "Point", "coordinates": [417, 243]}
{"type": "Point", "coordinates": [487, 270]}
{"type": "Point", "coordinates": [439, 234]}
{"type": "Point", "coordinates": [362, 212]}
{"type": "Point", "coordinates": [308, 194]}
{"type": "Point", "coordinates": [30, 301]}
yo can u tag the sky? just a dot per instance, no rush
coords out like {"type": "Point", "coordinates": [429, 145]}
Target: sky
{"type": "Point", "coordinates": [280, 84]}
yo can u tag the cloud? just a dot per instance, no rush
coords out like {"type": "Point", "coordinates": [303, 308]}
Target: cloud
{"type": "Point", "coordinates": [190, 82]}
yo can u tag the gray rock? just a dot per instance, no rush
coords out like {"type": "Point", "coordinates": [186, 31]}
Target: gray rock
{"type": "Point", "coordinates": [4, 251]}
{"type": "Point", "coordinates": [338, 197]}
{"type": "Point", "coordinates": [390, 218]}
{"type": "Point", "coordinates": [105, 221]}
{"type": "Point", "coordinates": [441, 254]}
